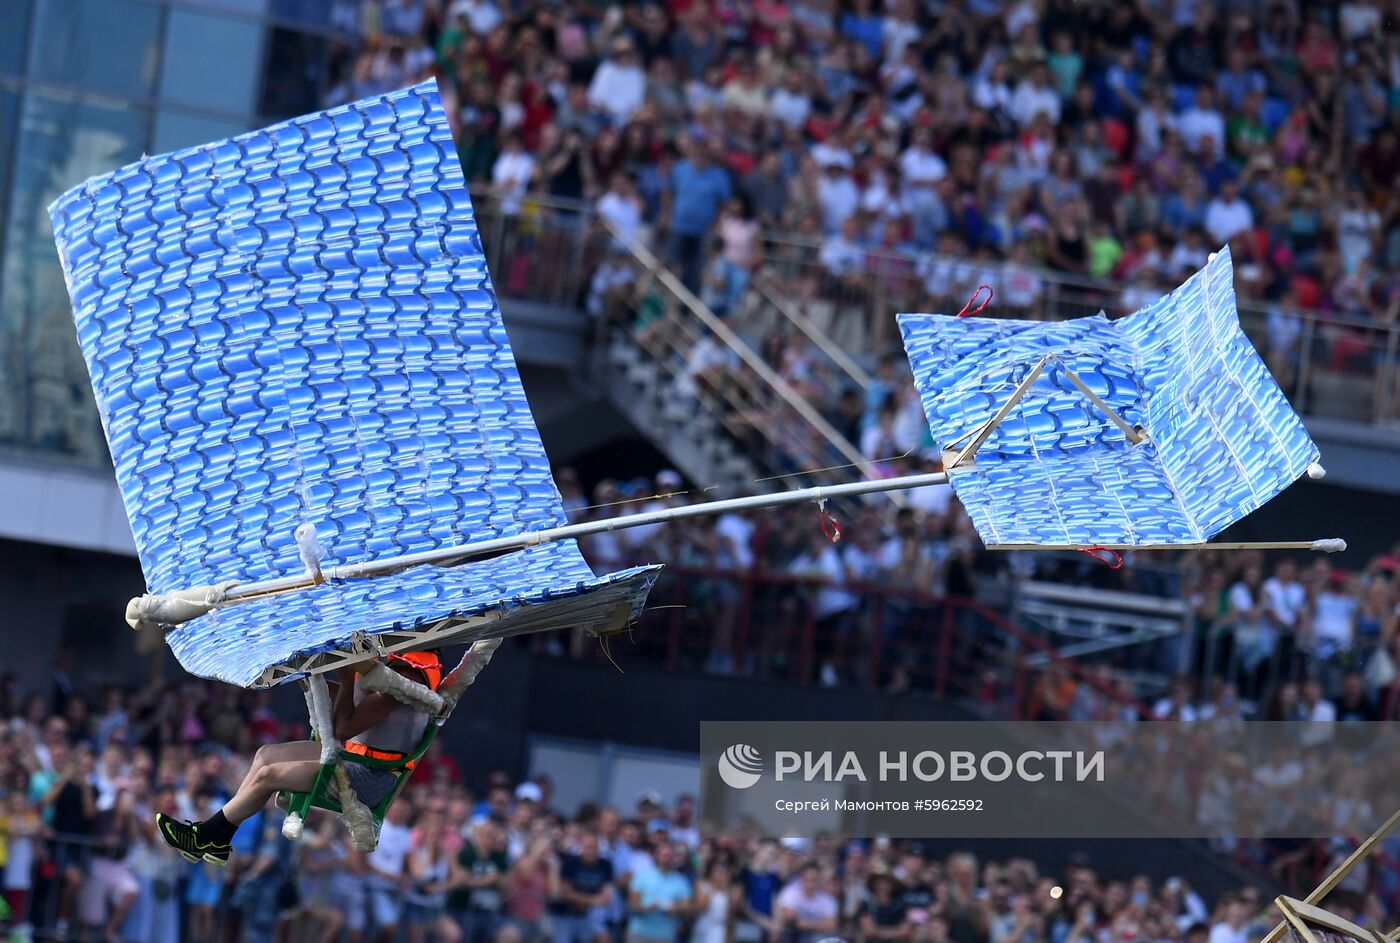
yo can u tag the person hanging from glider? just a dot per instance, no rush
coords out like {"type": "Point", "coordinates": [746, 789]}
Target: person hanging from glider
{"type": "Point", "coordinates": [372, 725]}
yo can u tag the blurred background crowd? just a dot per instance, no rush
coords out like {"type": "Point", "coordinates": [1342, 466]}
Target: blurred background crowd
{"type": "Point", "coordinates": [468, 855]}
{"type": "Point", "coordinates": [854, 158]}
{"type": "Point", "coordinates": [1256, 627]}
{"type": "Point", "coordinates": [931, 147]}
{"type": "Point", "coordinates": [850, 159]}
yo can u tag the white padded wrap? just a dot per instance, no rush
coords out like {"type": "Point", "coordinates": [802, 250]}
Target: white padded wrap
{"type": "Point", "coordinates": [384, 680]}
{"type": "Point", "coordinates": [292, 827]}
{"type": "Point", "coordinates": [461, 677]}
{"type": "Point", "coordinates": [150, 610]}
{"type": "Point", "coordinates": [358, 817]}
{"type": "Point", "coordinates": [309, 549]}
{"type": "Point", "coordinates": [318, 708]}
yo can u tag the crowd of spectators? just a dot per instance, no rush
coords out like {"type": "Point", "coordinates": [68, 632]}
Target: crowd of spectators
{"type": "Point", "coordinates": [897, 152]}
{"type": "Point", "coordinates": [860, 157]}
{"type": "Point", "coordinates": [470, 856]}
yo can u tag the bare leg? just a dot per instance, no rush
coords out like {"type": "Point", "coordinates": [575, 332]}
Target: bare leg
{"type": "Point", "coordinates": [68, 894]}
{"type": "Point", "coordinates": [264, 781]}
{"type": "Point", "coordinates": [119, 911]}
{"type": "Point", "coordinates": [447, 930]}
{"type": "Point", "coordinates": [283, 753]}
{"type": "Point", "coordinates": [331, 922]}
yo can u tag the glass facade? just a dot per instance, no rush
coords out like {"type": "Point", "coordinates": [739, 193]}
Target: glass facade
{"type": "Point", "coordinates": [89, 85]}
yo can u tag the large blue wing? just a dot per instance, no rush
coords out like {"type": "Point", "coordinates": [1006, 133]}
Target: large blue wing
{"type": "Point", "coordinates": [1222, 438]}
{"type": "Point", "coordinates": [296, 326]}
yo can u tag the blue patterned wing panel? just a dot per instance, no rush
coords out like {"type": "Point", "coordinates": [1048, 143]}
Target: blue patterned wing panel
{"type": "Point", "coordinates": [1229, 439]}
{"type": "Point", "coordinates": [297, 326]}
{"type": "Point", "coordinates": [543, 587]}
{"type": "Point", "coordinates": [1222, 438]}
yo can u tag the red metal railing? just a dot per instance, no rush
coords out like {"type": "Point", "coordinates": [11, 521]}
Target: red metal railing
{"type": "Point", "coordinates": [767, 624]}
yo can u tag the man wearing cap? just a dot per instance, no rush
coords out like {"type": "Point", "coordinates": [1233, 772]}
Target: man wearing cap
{"type": "Point", "coordinates": [668, 483]}
{"type": "Point", "coordinates": [371, 724]}
{"type": "Point", "coordinates": [619, 85]}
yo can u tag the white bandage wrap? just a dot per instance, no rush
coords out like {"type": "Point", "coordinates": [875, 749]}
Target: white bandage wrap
{"type": "Point", "coordinates": [292, 827]}
{"type": "Point", "coordinates": [151, 610]}
{"type": "Point", "coordinates": [384, 680]}
{"type": "Point", "coordinates": [318, 708]}
{"type": "Point", "coordinates": [461, 677]}
{"type": "Point", "coordinates": [358, 817]}
{"type": "Point", "coordinates": [309, 549]}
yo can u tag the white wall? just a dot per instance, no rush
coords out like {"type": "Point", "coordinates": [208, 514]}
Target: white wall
{"type": "Point", "coordinates": [67, 507]}
{"type": "Point", "coordinates": [611, 774]}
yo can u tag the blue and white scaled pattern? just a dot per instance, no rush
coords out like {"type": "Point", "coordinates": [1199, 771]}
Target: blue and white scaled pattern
{"type": "Point", "coordinates": [297, 326]}
{"type": "Point", "coordinates": [1222, 439]}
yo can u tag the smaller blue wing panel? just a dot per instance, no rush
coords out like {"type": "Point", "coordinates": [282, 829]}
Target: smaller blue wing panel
{"type": "Point", "coordinates": [1228, 437]}
{"type": "Point", "coordinates": [1222, 438]}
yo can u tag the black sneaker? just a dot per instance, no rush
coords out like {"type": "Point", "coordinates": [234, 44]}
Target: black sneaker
{"type": "Point", "coordinates": [184, 838]}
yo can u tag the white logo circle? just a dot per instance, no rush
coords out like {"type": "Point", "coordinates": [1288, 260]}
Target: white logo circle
{"type": "Point", "coordinates": [740, 766]}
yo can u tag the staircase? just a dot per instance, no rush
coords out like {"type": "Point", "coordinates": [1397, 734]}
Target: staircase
{"type": "Point", "coordinates": [736, 426]}
{"type": "Point", "coordinates": [705, 396]}
{"type": "Point", "coordinates": [680, 426]}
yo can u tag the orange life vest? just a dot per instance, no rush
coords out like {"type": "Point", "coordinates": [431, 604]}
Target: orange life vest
{"type": "Point", "coordinates": [430, 667]}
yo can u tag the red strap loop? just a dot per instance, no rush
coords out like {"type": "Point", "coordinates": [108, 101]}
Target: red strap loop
{"type": "Point", "coordinates": [1109, 558]}
{"type": "Point", "coordinates": [830, 527]}
{"type": "Point", "coordinates": [968, 310]}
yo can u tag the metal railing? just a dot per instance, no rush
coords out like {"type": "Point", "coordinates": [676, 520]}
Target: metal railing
{"type": "Point", "coordinates": [1337, 365]}
{"type": "Point", "coordinates": [1329, 364]}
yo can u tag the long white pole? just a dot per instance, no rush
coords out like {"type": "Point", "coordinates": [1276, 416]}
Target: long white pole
{"type": "Point", "coordinates": [488, 548]}
{"type": "Point", "coordinates": [1325, 545]}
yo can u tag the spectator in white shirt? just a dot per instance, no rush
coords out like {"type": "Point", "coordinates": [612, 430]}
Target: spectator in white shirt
{"type": "Point", "coordinates": [791, 103]}
{"type": "Point", "coordinates": [1285, 598]}
{"type": "Point", "coordinates": [1313, 706]}
{"type": "Point", "coordinates": [622, 207]}
{"type": "Point", "coordinates": [1319, 713]}
{"type": "Point", "coordinates": [511, 173]}
{"type": "Point", "coordinates": [610, 281]}
{"type": "Point", "coordinates": [1152, 121]}
{"type": "Point", "coordinates": [992, 92]}
{"type": "Point", "coordinates": [1358, 227]}
{"type": "Point", "coordinates": [1201, 121]}
{"type": "Point", "coordinates": [821, 561]}
{"type": "Point", "coordinates": [900, 28]}
{"type": "Point", "coordinates": [386, 869]}
{"type": "Point", "coordinates": [1176, 705]}
{"type": "Point", "coordinates": [920, 163]}
{"type": "Point", "coordinates": [1233, 929]}
{"type": "Point", "coordinates": [837, 195]}
{"type": "Point", "coordinates": [1333, 617]}
{"type": "Point", "coordinates": [883, 199]}
{"type": "Point", "coordinates": [1035, 96]}
{"type": "Point", "coordinates": [1228, 215]}
{"type": "Point", "coordinates": [619, 86]}
{"type": "Point", "coordinates": [805, 910]}
{"type": "Point", "coordinates": [841, 255]}
{"type": "Point", "coordinates": [482, 15]}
